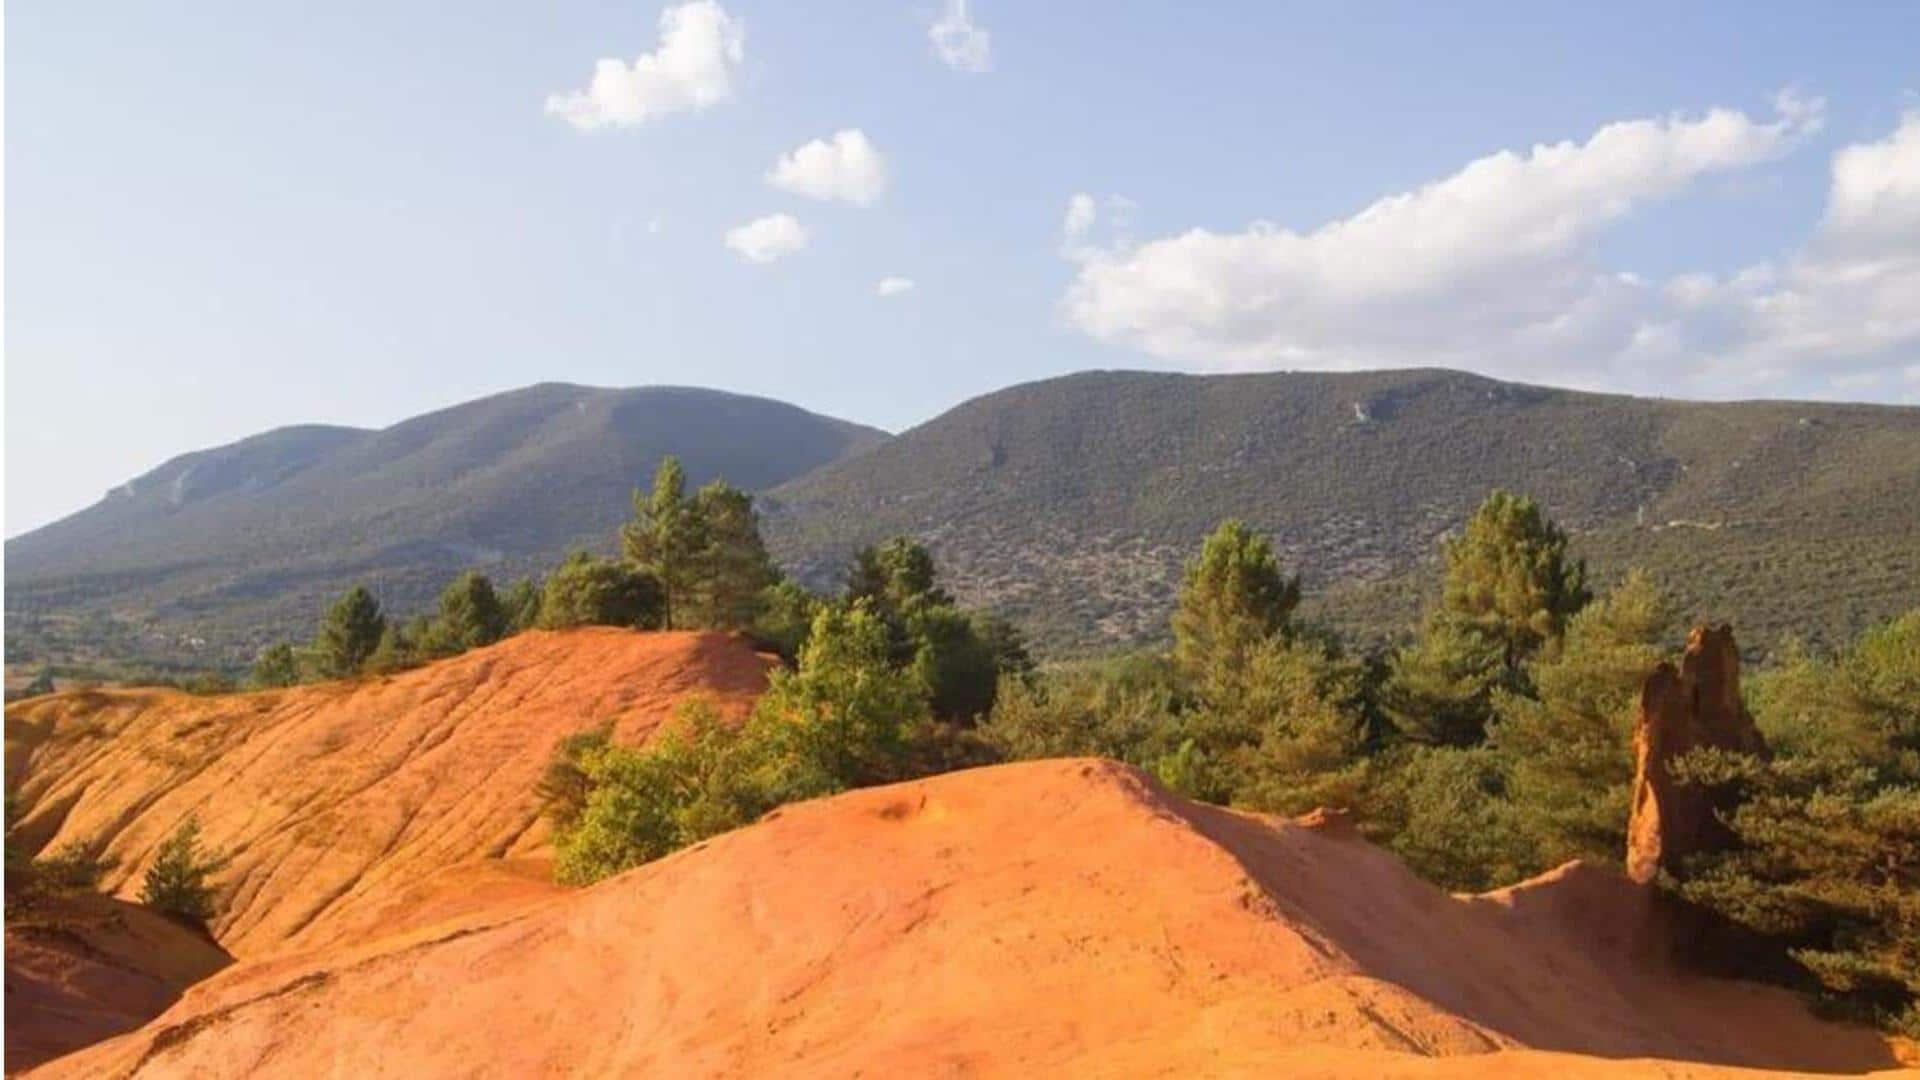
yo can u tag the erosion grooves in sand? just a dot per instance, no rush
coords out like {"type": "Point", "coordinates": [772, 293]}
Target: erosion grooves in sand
{"type": "Point", "coordinates": [336, 801]}
{"type": "Point", "coordinates": [1062, 918]}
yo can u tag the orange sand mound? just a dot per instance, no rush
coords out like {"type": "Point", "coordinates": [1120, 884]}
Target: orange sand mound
{"type": "Point", "coordinates": [84, 968]}
{"type": "Point", "coordinates": [334, 800]}
{"type": "Point", "coordinates": [1048, 918]}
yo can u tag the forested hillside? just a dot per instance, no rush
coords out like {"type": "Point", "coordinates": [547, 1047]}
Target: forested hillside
{"type": "Point", "coordinates": [1070, 504]}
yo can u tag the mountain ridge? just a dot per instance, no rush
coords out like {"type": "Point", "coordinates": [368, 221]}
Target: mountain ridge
{"type": "Point", "coordinates": [215, 552]}
{"type": "Point", "coordinates": [1069, 504]}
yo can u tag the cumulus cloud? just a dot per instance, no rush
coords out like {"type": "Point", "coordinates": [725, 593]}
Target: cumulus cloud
{"type": "Point", "coordinates": [701, 48]}
{"type": "Point", "coordinates": [960, 44]}
{"type": "Point", "coordinates": [893, 286]}
{"type": "Point", "coordinates": [1495, 268]}
{"type": "Point", "coordinates": [767, 239]}
{"type": "Point", "coordinates": [846, 166]}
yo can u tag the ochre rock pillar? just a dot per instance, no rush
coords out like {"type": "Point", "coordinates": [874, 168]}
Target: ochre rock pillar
{"type": "Point", "coordinates": [1696, 705]}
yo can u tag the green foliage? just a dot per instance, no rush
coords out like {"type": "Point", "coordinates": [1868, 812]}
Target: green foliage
{"type": "Point", "coordinates": [957, 667]}
{"type": "Point", "coordinates": [665, 537]}
{"type": "Point", "coordinates": [1507, 591]}
{"type": "Point", "coordinates": [1302, 706]}
{"type": "Point", "coordinates": [564, 785]}
{"type": "Point", "coordinates": [846, 716]}
{"type": "Point", "coordinates": [74, 867]}
{"type": "Point", "coordinates": [1828, 859]}
{"type": "Point", "coordinates": [276, 666]}
{"type": "Point", "coordinates": [1568, 750]}
{"type": "Point", "coordinates": [957, 656]}
{"type": "Point", "coordinates": [349, 633]}
{"type": "Point", "coordinates": [706, 551]}
{"type": "Point", "coordinates": [786, 616]}
{"type": "Point", "coordinates": [1234, 598]}
{"type": "Point", "coordinates": [588, 591]}
{"type": "Point", "coordinates": [1447, 812]}
{"type": "Point", "coordinates": [176, 883]}
{"type": "Point", "coordinates": [697, 779]}
{"type": "Point", "coordinates": [1125, 709]}
{"type": "Point", "coordinates": [894, 575]}
{"type": "Point", "coordinates": [733, 570]}
{"type": "Point", "coordinates": [1440, 688]}
{"type": "Point", "coordinates": [521, 604]}
{"type": "Point", "coordinates": [471, 615]}
{"type": "Point", "coordinates": [1509, 579]}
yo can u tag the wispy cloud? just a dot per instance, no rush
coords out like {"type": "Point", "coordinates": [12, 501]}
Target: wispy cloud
{"type": "Point", "coordinates": [960, 44]}
{"type": "Point", "coordinates": [893, 286]}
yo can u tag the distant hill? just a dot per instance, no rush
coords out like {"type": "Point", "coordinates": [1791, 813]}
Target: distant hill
{"type": "Point", "coordinates": [207, 557]}
{"type": "Point", "coordinates": [1071, 504]}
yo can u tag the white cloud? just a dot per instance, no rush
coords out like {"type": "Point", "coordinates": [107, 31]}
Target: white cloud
{"type": "Point", "coordinates": [960, 45]}
{"type": "Point", "coordinates": [893, 286]}
{"type": "Point", "coordinates": [767, 239]}
{"type": "Point", "coordinates": [846, 166]}
{"type": "Point", "coordinates": [701, 47]}
{"type": "Point", "coordinates": [1495, 268]}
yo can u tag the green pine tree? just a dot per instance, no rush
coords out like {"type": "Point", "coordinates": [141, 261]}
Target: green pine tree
{"type": "Point", "coordinates": [731, 569]}
{"type": "Point", "coordinates": [666, 537]}
{"type": "Point", "coordinates": [349, 633]}
{"type": "Point", "coordinates": [176, 883]}
{"type": "Point", "coordinates": [1568, 752]}
{"type": "Point", "coordinates": [471, 614]}
{"type": "Point", "coordinates": [1234, 598]}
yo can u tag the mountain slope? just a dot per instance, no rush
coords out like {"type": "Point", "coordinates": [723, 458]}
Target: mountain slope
{"type": "Point", "coordinates": [964, 925]}
{"type": "Point", "coordinates": [1072, 503]}
{"type": "Point", "coordinates": [239, 544]}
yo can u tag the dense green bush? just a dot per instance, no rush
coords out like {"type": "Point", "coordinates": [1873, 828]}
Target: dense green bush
{"type": "Point", "coordinates": [588, 591]}
{"type": "Point", "coordinates": [846, 716]}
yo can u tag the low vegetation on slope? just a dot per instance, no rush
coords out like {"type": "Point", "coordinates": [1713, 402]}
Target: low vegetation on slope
{"type": "Point", "coordinates": [1069, 505]}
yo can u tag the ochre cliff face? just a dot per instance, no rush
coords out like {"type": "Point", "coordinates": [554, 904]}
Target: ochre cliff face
{"type": "Point", "coordinates": [1694, 706]}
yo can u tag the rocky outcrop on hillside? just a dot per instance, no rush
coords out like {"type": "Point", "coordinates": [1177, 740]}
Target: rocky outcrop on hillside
{"type": "Point", "coordinates": [1694, 706]}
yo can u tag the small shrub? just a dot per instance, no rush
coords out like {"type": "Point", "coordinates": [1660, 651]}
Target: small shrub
{"type": "Point", "coordinates": [176, 883]}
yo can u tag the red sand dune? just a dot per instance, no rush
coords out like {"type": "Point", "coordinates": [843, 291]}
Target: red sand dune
{"type": "Point", "coordinates": [334, 800]}
{"type": "Point", "coordinates": [1053, 918]}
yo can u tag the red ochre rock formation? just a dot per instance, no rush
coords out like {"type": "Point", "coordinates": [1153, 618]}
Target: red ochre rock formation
{"type": "Point", "coordinates": [1056, 918]}
{"type": "Point", "coordinates": [1694, 706]}
{"type": "Point", "coordinates": [335, 798]}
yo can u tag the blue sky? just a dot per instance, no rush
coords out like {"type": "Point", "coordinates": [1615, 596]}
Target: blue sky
{"type": "Point", "coordinates": [225, 217]}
